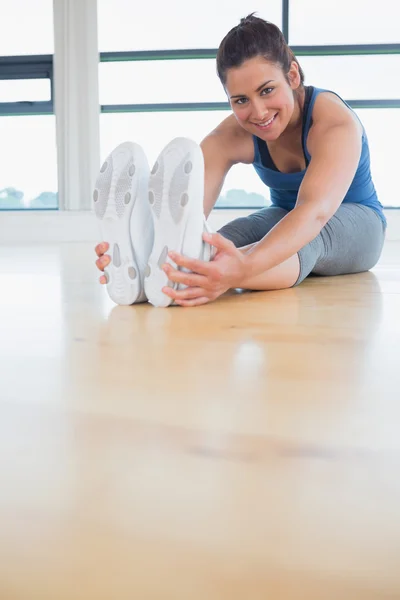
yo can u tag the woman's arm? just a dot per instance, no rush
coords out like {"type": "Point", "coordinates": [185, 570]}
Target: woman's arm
{"type": "Point", "coordinates": [335, 147]}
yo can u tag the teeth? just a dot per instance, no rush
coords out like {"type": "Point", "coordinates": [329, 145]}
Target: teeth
{"type": "Point", "coordinates": [266, 122]}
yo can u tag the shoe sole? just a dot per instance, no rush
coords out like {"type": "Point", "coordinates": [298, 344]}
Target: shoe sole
{"type": "Point", "coordinates": [122, 178]}
{"type": "Point", "coordinates": [176, 186]}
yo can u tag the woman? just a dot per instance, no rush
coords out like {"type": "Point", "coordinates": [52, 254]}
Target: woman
{"type": "Point", "coordinates": [310, 149]}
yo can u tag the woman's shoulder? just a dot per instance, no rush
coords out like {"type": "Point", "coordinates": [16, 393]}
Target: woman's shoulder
{"type": "Point", "coordinates": [233, 140]}
{"type": "Point", "coordinates": [330, 109]}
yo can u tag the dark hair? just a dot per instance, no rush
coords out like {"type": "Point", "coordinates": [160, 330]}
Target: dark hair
{"type": "Point", "coordinates": [254, 37]}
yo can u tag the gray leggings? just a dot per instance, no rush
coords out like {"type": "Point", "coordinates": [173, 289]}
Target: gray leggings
{"type": "Point", "coordinates": [351, 241]}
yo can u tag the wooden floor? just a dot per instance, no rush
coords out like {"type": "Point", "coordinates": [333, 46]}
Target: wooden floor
{"type": "Point", "coordinates": [245, 450]}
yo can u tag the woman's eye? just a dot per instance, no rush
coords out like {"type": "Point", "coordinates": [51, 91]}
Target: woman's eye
{"type": "Point", "coordinates": [242, 101]}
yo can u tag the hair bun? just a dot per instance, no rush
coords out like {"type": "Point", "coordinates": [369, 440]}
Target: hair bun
{"type": "Point", "coordinates": [245, 20]}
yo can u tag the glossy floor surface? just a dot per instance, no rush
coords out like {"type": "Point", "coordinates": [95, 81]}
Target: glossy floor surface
{"type": "Point", "coordinates": [244, 450]}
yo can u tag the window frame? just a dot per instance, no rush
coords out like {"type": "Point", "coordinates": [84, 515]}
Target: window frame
{"type": "Point", "coordinates": [27, 67]}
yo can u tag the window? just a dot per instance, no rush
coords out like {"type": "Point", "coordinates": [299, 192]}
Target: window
{"type": "Point", "coordinates": [149, 27]}
{"type": "Point", "coordinates": [25, 90]}
{"type": "Point", "coordinates": [28, 177]}
{"type": "Point", "coordinates": [26, 27]}
{"type": "Point", "coordinates": [355, 77]}
{"type": "Point", "coordinates": [314, 22]}
{"type": "Point", "coordinates": [158, 25]}
{"type": "Point", "coordinates": [366, 75]}
{"type": "Point", "coordinates": [380, 125]}
{"type": "Point", "coordinates": [160, 81]}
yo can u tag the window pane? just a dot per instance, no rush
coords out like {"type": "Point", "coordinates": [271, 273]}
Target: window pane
{"type": "Point", "coordinates": [352, 77]}
{"type": "Point", "coordinates": [242, 185]}
{"type": "Point", "coordinates": [25, 90]}
{"type": "Point", "coordinates": [342, 22]}
{"type": "Point", "coordinates": [26, 27]}
{"type": "Point", "coordinates": [380, 125]}
{"type": "Point", "coordinates": [355, 77]}
{"type": "Point", "coordinates": [28, 156]}
{"type": "Point", "coordinates": [158, 25]}
{"type": "Point", "coordinates": [160, 81]}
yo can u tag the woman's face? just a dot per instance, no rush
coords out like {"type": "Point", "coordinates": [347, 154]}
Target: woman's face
{"type": "Point", "coordinates": [261, 98]}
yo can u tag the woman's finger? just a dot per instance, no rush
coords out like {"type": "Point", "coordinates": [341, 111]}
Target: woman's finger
{"type": "Point", "coordinates": [196, 302]}
{"type": "Point", "coordinates": [189, 279]}
{"type": "Point", "coordinates": [197, 266]}
{"type": "Point", "coordinates": [187, 294]}
{"type": "Point", "coordinates": [103, 262]}
{"type": "Point", "coordinates": [101, 248]}
{"type": "Point", "coordinates": [218, 241]}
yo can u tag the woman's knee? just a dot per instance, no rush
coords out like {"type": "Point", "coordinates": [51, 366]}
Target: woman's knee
{"type": "Point", "coordinates": [240, 232]}
{"type": "Point", "coordinates": [251, 229]}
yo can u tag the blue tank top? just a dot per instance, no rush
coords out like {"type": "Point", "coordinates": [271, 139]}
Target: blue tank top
{"type": "Point", "coordinates": [284, 187]}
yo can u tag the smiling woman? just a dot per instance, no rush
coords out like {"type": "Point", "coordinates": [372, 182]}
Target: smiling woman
{"type": "Point", "coordinates": [306, 145]}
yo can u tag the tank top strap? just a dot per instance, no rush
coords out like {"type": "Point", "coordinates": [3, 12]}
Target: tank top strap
{"type": "Point", "coordinates": [308, 110]}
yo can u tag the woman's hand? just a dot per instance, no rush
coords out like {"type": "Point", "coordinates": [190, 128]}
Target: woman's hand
{"type": "Point", "coordinates": [207, 280]}
{"type": "Point", "coordinates": [103, 260]}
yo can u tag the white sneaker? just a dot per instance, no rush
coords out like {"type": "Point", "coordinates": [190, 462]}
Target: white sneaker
{"type": "Point", "coordinates": [176, 191]}
{"type": "Point", "coordinates": [121, 205]}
